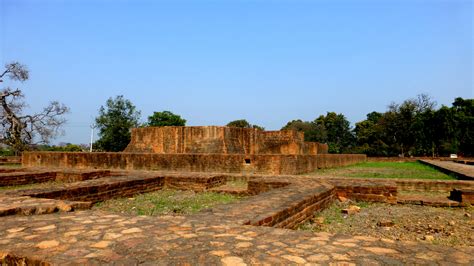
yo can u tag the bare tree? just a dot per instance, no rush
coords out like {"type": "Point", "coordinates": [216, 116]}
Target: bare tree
{"type": "Point", "coordinates": [18, 130]}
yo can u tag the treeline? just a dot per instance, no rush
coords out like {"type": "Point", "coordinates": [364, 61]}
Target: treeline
{"type": "Point", "coordinates": [62, 147]}
{"type": "Point", "coordinates": [411, 128]}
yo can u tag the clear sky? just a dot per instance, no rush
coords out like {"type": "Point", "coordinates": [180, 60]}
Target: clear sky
{"type": "Point", "coordinates": [215, 61]}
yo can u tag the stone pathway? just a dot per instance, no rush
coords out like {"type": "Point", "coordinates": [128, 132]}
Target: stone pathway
{"type": "Point", "coordinates": [92, 237]}
{"type": "Point", "coordinates": [24, 205]}
{"type": "Point", "coordinates": [463, 171]}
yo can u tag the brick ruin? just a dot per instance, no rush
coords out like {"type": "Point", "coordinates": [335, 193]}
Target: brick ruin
{"type": "Point", "coordinates": [221, 140]}
{"type": "Point", "coordinates": [198, 159]}
{"type": "Point", "coordinates": [205, 149]}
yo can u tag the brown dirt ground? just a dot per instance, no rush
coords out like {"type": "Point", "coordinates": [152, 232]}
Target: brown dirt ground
{"type": "Point", "coordinates": [444, 226]}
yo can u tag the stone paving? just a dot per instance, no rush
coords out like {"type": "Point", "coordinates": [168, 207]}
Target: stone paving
{"type": "Point", "coordinates": [463, 171]}
{"type": "Point", "coordinates": [250, 231]}
{"type": "Point", "coordinates": [11, 205]}
{"type": "Point", "coordinates": [88, 237]}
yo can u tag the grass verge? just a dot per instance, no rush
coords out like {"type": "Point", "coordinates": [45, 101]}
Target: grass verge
{"type": "Point", "coordinates": [165, 202]}
{"type": "Point", "coordinates": [411, 170]}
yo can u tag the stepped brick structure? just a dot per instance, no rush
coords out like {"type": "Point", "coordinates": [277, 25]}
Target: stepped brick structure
{"type": "Point", "coordinates": [222, 140]}
{"type": "Point", "coordinates": [204, 149]}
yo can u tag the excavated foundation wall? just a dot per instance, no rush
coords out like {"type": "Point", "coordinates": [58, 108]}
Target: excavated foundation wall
{"type": "Point", "coordinates": [224, 163]}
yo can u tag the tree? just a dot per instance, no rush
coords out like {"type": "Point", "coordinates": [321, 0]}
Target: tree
{"type": "Point", "coordinates": [19, 130]}
{"type": "Point", "coordinates": [370, 137]}
{"type": "Point", "coordinates": [67, 147]}
{"type": "Point", "coordinates": [312, 131]}
{"type": "Point", "coordinates": [463, 110]}
{"type": "Point", "coordinates": [339, 135]}
{"type": "Point", "coordinates": [114, 122]}
{"type": "Point", "coordinates": [165, 118]}
{"type": "Point", "coordinates": [242, 123]}
{"type": "Point", "coordinates": [402, 122]}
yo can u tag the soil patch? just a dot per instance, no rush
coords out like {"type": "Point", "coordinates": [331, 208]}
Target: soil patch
{"type": "Point", "coordinates": [443, 226]}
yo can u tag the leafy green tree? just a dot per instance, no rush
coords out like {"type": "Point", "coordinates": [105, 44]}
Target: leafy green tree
{"type": "Point", "coordinates": [370, 137]}
{"type": "Point", "coordinates": [403, 124]}
{"type": "Point", "coordinates": [114, 122]}
{"type": "Point", "coordinates": [414, 127]}
{"type": "Point", "coordinates": [311, 130]}
{"type": "Point", "coordinates": [340, 138]}
{"type": "Point", "coordinates": [464, 116]}
{"type": "Point", "coordinates": [165, 118]}
{"type": "Point", "coordinates": [258, 127]}
{"type": "Point", "coordinates": [242, 123]}
{"type": "Point", "coordinates": [239, 123]}
{"type": "Point", "coordinates": [68, 147]}
{"type": "Point", "coordinates": [445, 131]}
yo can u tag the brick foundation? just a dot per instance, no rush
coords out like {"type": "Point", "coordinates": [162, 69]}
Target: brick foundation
{"type": "Point", "coordinates": [220, 163]}
{"type": "Point", "coordinates": [465, 196]}
{"type": "Point", "coordinates": [108, 188]}
{"type": "Point", "coordinates": [24, 178]}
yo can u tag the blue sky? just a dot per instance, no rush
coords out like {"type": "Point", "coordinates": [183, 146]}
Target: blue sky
{"type": "Point", "coordinates": [216, 61]}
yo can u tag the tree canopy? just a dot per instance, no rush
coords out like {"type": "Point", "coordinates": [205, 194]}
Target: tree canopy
{"type": "Point", "coordinates": [165, 118]}
{"type": "Point", "coordinates": [333, 129]}
{"type": "Point", "coordinates": [19, 130]}
{"type": "Point", "coordinates": [114, 122]}
{"type": "Point", "coordinates": [242, 123]}
{"type": "Point", "coordinates": [411, 128]}
{"type": "Point", "coordinates": [339, 136]}
{"type": "Point", "coordinates": [416, 128]}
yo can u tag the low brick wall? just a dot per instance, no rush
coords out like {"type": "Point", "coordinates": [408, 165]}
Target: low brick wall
{"type": "Point", "coordinates": [105, 188]}
{"type": "Point", "coordinates": [420, 185]}
{"type": "Point", "coordinates": [367, 190]}
{"type": "Point", "coordinates": [13, 170]}
{"type": "Point", "coordinates": [114, 187]}
{"type": "Point", "coordinates": [194, 182]}
{"type": "Point", "coordinates": [293, 213]}
{"type": "Point", "coordinates": [431, 185]}
{"type": "Point", "coordinates": [33, 176]}
{"type": "Point", "coordinates": [465, 196]}
{"type": "Point", "coordinates": [74, 175]}
{"type": "Point", "coordinates": [24, 178]}
{"type": "Point", "coordinates": [224, 163]}
{"type": "Point", "coordinates": [304, 210]}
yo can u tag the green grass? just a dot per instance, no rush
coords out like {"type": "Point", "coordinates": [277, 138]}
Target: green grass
{"type": "Point", "coordinates": [165, 202]}
{"type": "Point", "coordinates": [412, 170]}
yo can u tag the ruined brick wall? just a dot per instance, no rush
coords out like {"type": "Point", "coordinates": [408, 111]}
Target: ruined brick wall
{"type": "Point", "coordinates": [222, 140]}
{"type": "Point", "coordinates": [222, 163]}
{"type": "Point", "coordinates": [192, 140]}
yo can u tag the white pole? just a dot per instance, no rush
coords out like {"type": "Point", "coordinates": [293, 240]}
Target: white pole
{"type": "Point", "coordinates": [92, 137]}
